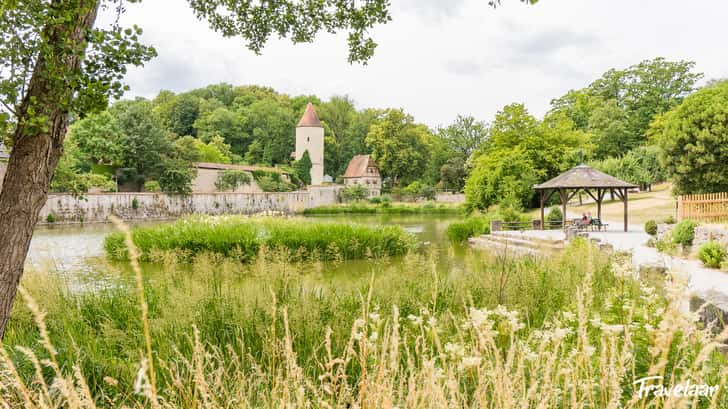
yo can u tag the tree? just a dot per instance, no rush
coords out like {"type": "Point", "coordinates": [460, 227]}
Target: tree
{"type": "Point", "coordinates": [693, 137]}
{"type": "Point", "coordinates": [398, 146]}
{"type": "Point", "coordinates": [452, 174]}
{"type": "Point", "coordinates": [176, 177]}
{"type": "Point", "coordinates": [303, 168]}
{"type": "Point", "coordinates": [179, 113]}
{"type": "Point", "coordinates": [354, 193]}
{"type": "Point", "coordinates": [98, 138]}
{"type": "Point", "coordinates": [60, 64]}
{"type": "Point", "coordinates": [610, 134]}
{"type": "Point", "coordinates": [506, 178]}
{"type": "Point", "coordinates": [464, 135]}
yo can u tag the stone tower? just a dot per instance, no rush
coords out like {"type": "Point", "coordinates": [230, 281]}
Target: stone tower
{"type": "Point", "coordinates": [310, 137]}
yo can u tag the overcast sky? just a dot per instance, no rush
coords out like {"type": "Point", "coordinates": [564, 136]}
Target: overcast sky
{"type": "Point", "coordinates": [440, 58]}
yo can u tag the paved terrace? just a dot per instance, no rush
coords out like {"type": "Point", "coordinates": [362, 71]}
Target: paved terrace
{"type": "Point", "coordinates": [706, 283]}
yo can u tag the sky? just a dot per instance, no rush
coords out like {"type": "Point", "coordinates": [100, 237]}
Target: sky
{"type": "Point", "coordinates": [440, 58]}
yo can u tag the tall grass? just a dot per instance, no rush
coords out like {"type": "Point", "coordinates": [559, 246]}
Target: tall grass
{"type": "Point", "coordinates": [568, 332]}
{"type": "Point", "coordinates": [243, 238]}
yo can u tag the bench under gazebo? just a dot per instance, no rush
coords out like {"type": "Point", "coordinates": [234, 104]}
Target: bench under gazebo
{"type": "Point", "coordinates": [583, 178]}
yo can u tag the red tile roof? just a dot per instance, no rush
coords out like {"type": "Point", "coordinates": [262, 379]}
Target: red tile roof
{"type": "Point", "coordinates": [358, 167]}
{"type": "Point", "coordinates": [309, 118]}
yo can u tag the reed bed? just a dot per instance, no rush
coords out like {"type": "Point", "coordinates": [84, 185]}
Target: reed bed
{"type": "Point", "coordinates": [573, 331]}
{"type": "Point", "coordinates": [386, 208]}
{"type": "Point", "coordinates": [243, 238]}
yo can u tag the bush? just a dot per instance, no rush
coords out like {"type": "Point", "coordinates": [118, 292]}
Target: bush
{"type": "Point", "coordinates": [152, 186]}
{"type": "Point", "coordinates": [231, 179]}
{"type": "Point", "coordinates": [51, 218]}
{"type": "Point", "coordinates": [375, 200]}
{"type": "Point", "coordinates": [473, 226]}
{"type": "Point", "coordinates": [242, 238]}
{"type": "Point", "coordinates": [555, 215]}
{"type": "Point", "coordinates": [684, 232]}
{"type": "Point", "coordinates": [670, 220]}
{"type": "Point", "coordinates": [354, 193]}
{"type": "Point", "coordinates": [134, 203]}
{"type": "Point", "coordinates": [666, 245]}
{"type": "Point", "coordinates": [712, 254]}
{"type": "Point", "coordinates": [418, 190]}
{"type": "Point", "coordinates": [651, 227]}
{"type": "Point", "coordinates": [386, 199]}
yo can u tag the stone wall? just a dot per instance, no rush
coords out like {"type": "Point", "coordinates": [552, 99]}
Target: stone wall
{"type": "Point", "coordinates": [708, 233]}
{"type": "Point", "coordinates": [157, 206]}
{"type": "Point", "coordinates": [449, 197]}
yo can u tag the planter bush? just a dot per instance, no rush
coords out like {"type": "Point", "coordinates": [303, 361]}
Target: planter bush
{"type": "Point", "coordinates": [712, 254]}
{"type": "Point", "coordinates": [651, 227]}
{"type": "Point", "coordinates": [684, 232]}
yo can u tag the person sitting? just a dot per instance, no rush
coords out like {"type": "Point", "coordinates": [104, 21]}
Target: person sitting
{"type": "Point", "coordinates": [584, 220]}
{"type": "Point", "coordinates": [589, 218]}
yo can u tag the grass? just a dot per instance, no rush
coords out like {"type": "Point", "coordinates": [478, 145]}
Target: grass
{"type": "Point", "coordinates": [386, 208]}
{"type": "Point", "coordinates": [243, 238]}
{"type": "Point", "coordinates": [478, 224]}
{"type": "Point", "coordinates": [571, 331]}
{"type": "Point", "coordinates": [655, 205]}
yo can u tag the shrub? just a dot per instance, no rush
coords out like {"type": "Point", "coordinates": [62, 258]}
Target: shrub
{"type": "Point", "coordinates": [51, 218]}
{"type": "Point", "coordinates": [684, 232]}
{"type": "Point", "coordinates": [418, 190]}
{"type": "Point", "coordinates": [651, 227]}
{"type": "Point", "coordinates": [666, 245]}
{"type": "Point", "coordinates": [152, 186]}
{"type": "Point", "coordinates": [386, 199]}
{"type": "Point", "coordinates": [354, 193]}
{"type": "Point", "coordinates": [670, 220]}
{"type": "Point", "coordinates": [712, 254]}
{"type": "Point", "coordinates": [555, 215]}
{"type": "Point", "coordinates": [375, 200]}
{"type": "Point", "coordinates": [134, 203]}
{"type": "Point", "coordinates": [472, 226]}
{"type": "Point", "coordinates": [232, 179]}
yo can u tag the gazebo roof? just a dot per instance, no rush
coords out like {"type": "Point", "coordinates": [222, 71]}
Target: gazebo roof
{"type": "Point", "coordinates": [583, 176]}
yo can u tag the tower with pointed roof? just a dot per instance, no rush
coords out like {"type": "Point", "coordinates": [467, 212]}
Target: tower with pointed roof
{"type": "Point", "coordinates": [310, 137]}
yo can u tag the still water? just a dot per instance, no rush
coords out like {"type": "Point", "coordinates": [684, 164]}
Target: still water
{"type": "Point", "coordinates": [76, 252]}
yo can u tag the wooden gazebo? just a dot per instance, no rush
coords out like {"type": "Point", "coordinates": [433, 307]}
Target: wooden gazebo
{"type": "Point", "coordinates": [583, 178]}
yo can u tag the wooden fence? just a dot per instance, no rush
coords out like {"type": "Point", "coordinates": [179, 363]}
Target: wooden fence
{"type": "Point", "coordinates": [708, 207]}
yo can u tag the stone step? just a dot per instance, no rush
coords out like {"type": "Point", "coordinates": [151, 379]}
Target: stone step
{"type": "Point", "coordinates": [527, 241]}
{"type": "Point", "coordinates": [518, 235]}
{"type": "Point", "coordinates": [484, 242]}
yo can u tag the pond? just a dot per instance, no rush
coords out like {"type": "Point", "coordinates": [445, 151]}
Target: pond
{"type": "Point", "coordinates": [76, 253]}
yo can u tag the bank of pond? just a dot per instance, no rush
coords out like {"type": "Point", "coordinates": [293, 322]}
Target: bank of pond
{"type": "Point", "coordinates": [243, 238]}
{"type": "Point", "coordinates": [388, 208]}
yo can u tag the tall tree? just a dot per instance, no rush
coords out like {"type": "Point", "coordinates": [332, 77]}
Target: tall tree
{"type": "Point", "coordinates": [694, 137]}
{"type": "Point", "coordinates": [464, 135]}
{"type": "Point", "coordinates": [56, 63]}
{"type": "Point", "coordinates": [398, 146]}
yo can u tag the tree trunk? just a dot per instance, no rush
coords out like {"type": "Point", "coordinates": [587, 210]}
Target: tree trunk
{"type": "Point", "coordinates": [37, 149]}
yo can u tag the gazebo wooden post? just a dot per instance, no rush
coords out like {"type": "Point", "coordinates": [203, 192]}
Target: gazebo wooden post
{"type": "Point", "coordinates": [542, 204]}
{"type": "Point", "coordinates": [599, 203]}
{"type": "Point", "coordinates": [624, 198]}
{"type": "Point", "coordinates": [562, 193]}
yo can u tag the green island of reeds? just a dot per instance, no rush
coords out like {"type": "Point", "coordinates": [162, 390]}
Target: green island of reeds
{"type": "Point", "coordinates": [386, 208]}
{"type": "Point", "coordinates": [243, 238]}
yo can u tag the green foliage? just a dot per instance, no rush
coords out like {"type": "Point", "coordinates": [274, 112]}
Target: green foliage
{"type": "Point", "coordinates": [693, 137]}
{"type": "Point", "coordinates": [555, 215]}
{"type": "Point", "coordinates": [302, 168]}
{"type": "Point", "coordinates": [712, 254]}
{"type": "Point", "coordinates": [177, 177]}
{"type": "Point", "coordinates": [354, 193]}
{"type": "Point", "coordinates": [152, 186]}
{"type": "Point", "coordinates": [472, 226]}
{"type": "Point", "coordinates": [399, 146]}
{"type": "Point", "coordinates": [135, 203]}
{"type": "Point", "coordinates": [418, 190]}
{"type": "Point", "coordinates": [271, 181]}
{"type": "Point", "coordinates": [684, 232]}
{"type": "Point", "coordinates": [98, 138]}
{"type": "Point", "coordinates": [670, 220]}
{"type": "Point", "coordinates": [242, 238]}
{"type": "Point", "coordinates": [520, 152]}
{"type": "Point", "coordinates": [640, 166]}
{"type": "Point", "coordinates": [385, 208]}
{"type": "Point", "coordinates": [232, 179]}
{"type": "Point", "coordinates": [651, 227]}
{"type": "Point", "coordinates": [666, 245]}
{"type": "Point", "coordinates": [51, 218]}
{"type": "Point", "coordinates": [375, 200]}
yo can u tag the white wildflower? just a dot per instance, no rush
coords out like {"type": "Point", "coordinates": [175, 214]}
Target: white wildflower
{"type": "Point", "coordinates": [470, 362]}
